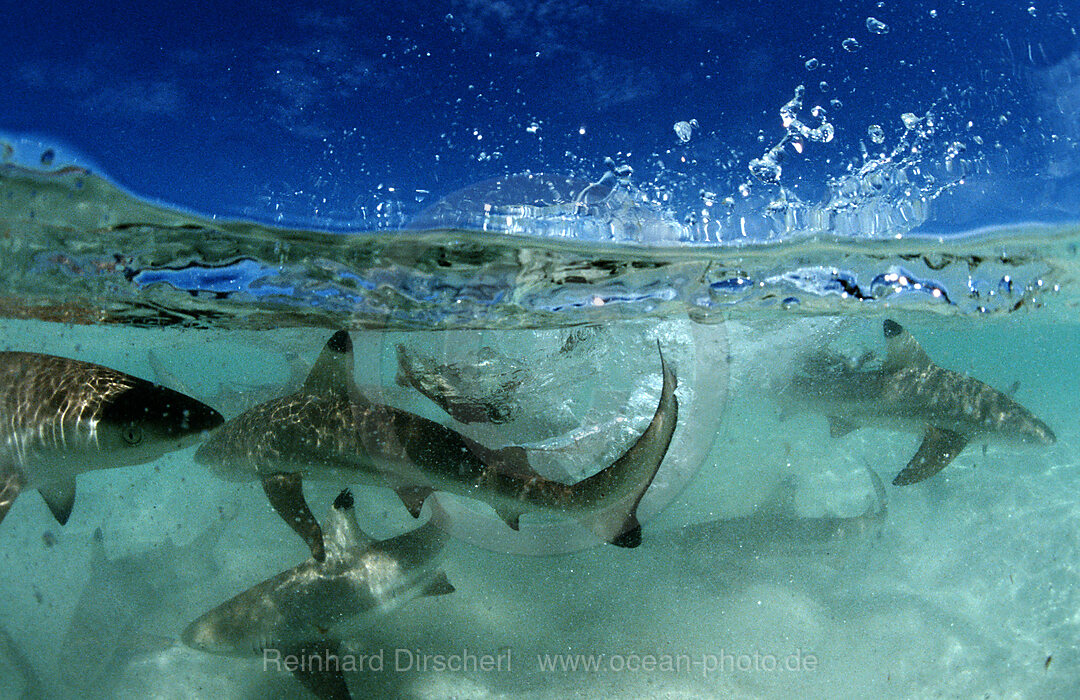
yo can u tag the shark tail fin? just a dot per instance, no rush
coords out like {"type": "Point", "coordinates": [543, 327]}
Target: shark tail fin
{"type": "Point", "coordinates": [11, 485]}
{"type": "Point", "coordinates": [618, 488]}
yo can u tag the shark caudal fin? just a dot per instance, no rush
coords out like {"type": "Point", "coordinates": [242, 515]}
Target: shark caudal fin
{"type": "Point", "coordinates": [618, 488]}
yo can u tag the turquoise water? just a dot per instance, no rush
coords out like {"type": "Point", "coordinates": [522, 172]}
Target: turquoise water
{"type": "Point", "coordinates": [966, 586]}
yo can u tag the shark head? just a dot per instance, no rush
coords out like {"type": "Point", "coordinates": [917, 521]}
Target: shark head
{"type": "Point", "coordinates": [1024, 428]}
{"type": "Point", "coordinates": [145, 421]}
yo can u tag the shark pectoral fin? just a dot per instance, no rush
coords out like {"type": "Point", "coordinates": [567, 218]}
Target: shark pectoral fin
{"type": "Point", "coordinates": [439, 585]}
{"type": "Point", "coordinates": [11, 485]}
{"type": "Point", "coordinates": [938, 448]}
{"type": "Point", "coordinates": [322, 673]}
{"type": "Point", "coordinates": [839, 427]}
{"type": "Point", "coordinates": [286, 494]}
{"type": "Point", "coordinates": [413, 497]}
{"type": "Point", "coordinates": [60, 497]}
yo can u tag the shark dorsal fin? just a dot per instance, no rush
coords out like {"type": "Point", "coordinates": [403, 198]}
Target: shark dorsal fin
{"type": "Point", "coordinates": [903, 349]}
{"type": "Point", "coordinates": [333, 371]}
{"type": "Point", "coordinates": [342, 531]}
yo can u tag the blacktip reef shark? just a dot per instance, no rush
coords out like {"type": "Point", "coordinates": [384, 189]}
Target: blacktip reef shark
{"type": "Point", "coordinates": [909, 392]}
{"type": "Point", "coordinates": [305, 612]}
{"type": "Point", "coordinates": [61, 417]}
{"type": "Point", "coordinates": [329, 430]}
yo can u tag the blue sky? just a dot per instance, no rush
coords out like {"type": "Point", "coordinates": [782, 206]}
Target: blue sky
{"type": "Point", "coordinates": [313, 115]}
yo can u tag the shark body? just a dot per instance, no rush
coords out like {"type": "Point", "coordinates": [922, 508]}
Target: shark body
{"type": "Point", "coordinates": [307, 611]}
{"type": "Point", "coordinates": [61, 417]}
{"type": "Point", "coordinates": [329, 430]}
{"type": "Point", "coordinates": [909, 392]}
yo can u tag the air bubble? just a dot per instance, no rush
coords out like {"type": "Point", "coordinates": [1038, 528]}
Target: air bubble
{"type": "Point", "coordinates": [910, 120]}
{"type": "Point", "coordinates": [877, 134]}
{"type": "Point", "coordinates": [851, 45]}
{"type": "Point", "coordinates": [766, 169]}
{"type": "Point", "coordinates": [813, 64]}
{"type": "Point", "coordinates": [684, 129]}
{"type": "Point", "coordinates": [876, 26]}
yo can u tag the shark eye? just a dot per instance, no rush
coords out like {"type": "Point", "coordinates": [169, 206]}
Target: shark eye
{"type": "Point", "coordinates": [132, 434]}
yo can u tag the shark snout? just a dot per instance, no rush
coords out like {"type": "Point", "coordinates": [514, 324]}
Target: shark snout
{"type": "Point", "coordinates": [1041, 434]}
{"type": "Point", "coordinates": [198, 636]}
{"type": "Point", "coordinates": [203, 635]}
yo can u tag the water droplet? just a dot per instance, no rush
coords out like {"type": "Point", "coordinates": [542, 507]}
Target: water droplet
{"type": "Point", "coordinates": [851, 45]}
{"type": "Point", "coordinates": [877, 134]}
{"type": "Point", "coordinates": [813, 64]}
{"type": "Point", "coordinates": [766, 169]}
{"type": "Point", "coordinates": [910, 120]}
{"type": "Point", "coordinates": [1032, 11]}
{"type": "Point", "coordinates": [933, 14]}
{"type": "Point", "coordinates": [684, 129]}
{"type": "Point", "coordinates": [876, 26]}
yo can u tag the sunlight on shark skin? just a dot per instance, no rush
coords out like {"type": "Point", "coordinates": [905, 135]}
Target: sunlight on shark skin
{"type": "Point", "coordinates": [61, 417]}
{"type": "Point", "coordinates": [909, 392]}
{"type": "Point", "coordinates": [310, 609]}
{"type": "Point", "coordinates": [329, 430]}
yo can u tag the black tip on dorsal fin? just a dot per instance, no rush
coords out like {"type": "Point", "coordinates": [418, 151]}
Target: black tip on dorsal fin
{"type": "Point", "coordinates": [339, 342]}
{"type": "Point", "coordinates": [891, 328]}
{"type": "Point", "coordinates": [344, 500]}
